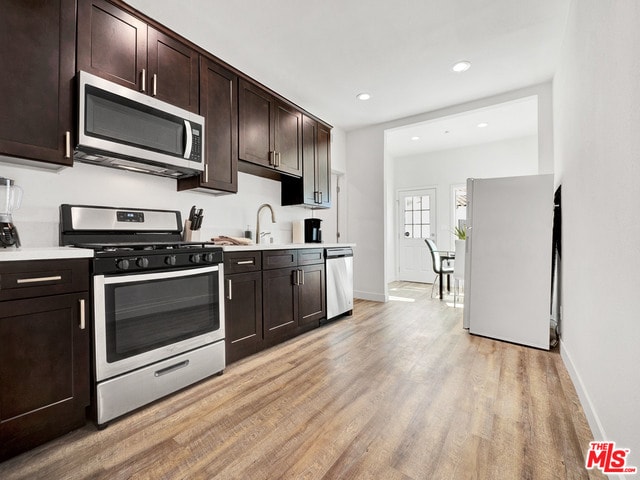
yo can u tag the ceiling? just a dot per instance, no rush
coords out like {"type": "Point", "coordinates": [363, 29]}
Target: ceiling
{"type": "Point", "coordinates": [517, 118]}
{"type": "Point", "coordinates": [321, 54]}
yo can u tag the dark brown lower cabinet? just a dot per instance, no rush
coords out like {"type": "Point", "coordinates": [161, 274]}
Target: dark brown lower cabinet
{"type": "Point", "coordinates": [243, 315]}
{"type": "Point", "coordinates": [271, 296]}
{"type": "Point", "coordinates": [312, 303]}
{"type": "Point", "coordinates": [44, 370]}
{"type": "Point", "coordinates": [280, 304]}
{"type": "Point", "coordinates": [293, 297]}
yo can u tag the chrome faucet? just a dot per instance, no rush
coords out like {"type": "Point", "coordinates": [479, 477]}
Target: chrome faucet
{"type": "Point", "coordinates": [260, 234]}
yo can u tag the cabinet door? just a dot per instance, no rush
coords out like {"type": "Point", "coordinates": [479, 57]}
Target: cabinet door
{"type": "Point", "coordinates": [309, 164]}
{"type": "Point", "coordinates": [312, 298]}
{"type": "Point", "coordinates": [243, 315]}
{"type": "Point", "coordinates": [219, 106]}
{"type": "Point", "coordinates": [37, 52]}
{"type": "Point", "coordinates": [323, 166]}
{"type": "Point", "coordinates": [279, 303]}
{"type": "Point", "coordinates": [256, 133]}
{"type": "Point", "coordinates": [173, 71]}
{"type": "Point", "coordinates": [112, 44]}
{"type": "Point", "coordinates": [44, 370]}
{"type": "Point", "coordinates": [288, 139]}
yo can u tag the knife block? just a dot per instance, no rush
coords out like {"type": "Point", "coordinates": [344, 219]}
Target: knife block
{"type": "Point", "coordinates": [189, 235]}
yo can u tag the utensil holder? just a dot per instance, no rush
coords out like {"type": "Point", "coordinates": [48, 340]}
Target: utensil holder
{"type": "Point", "coordinates": [189, 235]}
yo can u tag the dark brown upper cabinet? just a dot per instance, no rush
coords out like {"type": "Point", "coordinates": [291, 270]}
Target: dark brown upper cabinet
{"type": "Point", "coordinates": [219, 107]}
{"type": "Point", "coordinates": [314, 188]}
{"type": "Point", "coordinates": [37, 51]}
{"type": "Point", "coordinates": [118, 46]}
{"type": "Point", "coordinates": [173, 71]}
{"type": "Point", "coordinates": [270, 131]}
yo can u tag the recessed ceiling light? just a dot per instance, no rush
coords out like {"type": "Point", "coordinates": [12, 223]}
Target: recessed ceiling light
{"type": "Point", "coordinates": [363, 96]}
{"type": "Point", "coordinates": [446, 131]}
{"type": "Point", "coordinates": [415, 138]}
{"type": "Point", "coordinates": [462, 66]}
{"type": "Point", "coordinates": [483, 124]}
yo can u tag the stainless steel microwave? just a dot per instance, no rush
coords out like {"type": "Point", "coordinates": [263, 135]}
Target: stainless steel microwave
{"type": "Point", "coordinates": [121, 128]}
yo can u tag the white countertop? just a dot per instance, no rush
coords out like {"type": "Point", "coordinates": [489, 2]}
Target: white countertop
{"type": "Point", "coordinates": [283, 246]}
{"type": "Point", "coordinates": [43, 253]}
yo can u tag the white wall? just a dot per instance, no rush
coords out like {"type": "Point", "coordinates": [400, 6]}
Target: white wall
{"type": "Point", "coordinates": [365, 215]}
{"type": "Point", "coordinates": [597, 131]}
{"type": "Point", "coordinates": [443, 169]}
{"type": "Point", "coordinates": [44, 191]}
{"type": "Point", "coordinates": [370, 204]}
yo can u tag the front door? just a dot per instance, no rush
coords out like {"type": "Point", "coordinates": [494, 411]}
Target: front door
{"type": "Point", "coordinates": [416, 221]}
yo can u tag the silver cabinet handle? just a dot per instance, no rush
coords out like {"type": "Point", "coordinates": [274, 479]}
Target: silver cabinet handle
{"type": "Point", "coordinates": [277, 158]}
{"type": "Point", "coordinates": [245, 262]}
{"type": "Point", "coordinates": [67, 144]}
{"type": "Point", "coordinates": [229, 294]}
{"type": "Point", "coordinates": [294, 277]}
{"type": "Point", "coordinates": [143, 87]}
{"type": "Point", "coordinates": [320, 195]}
{"type": "Point", "coordinates": [206, 173]}
{"type": "Point", "coordinates": [38, 279]}
{"type": "Point", "coordinates": [301, 277]}
{"type": "Point", "coordinates": [154, 87]}
{"type": "Point", "coordinates": [272, 158]}
{"type": "Point", "coordinates": [82, 314]}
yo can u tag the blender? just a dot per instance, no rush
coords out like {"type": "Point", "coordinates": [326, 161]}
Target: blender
{"type": "Point", "coordinates": [10, 198]}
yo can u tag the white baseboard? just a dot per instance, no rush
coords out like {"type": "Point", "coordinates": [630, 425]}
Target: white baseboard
{"type": "Point", "coordinates": [374, 297]}
{"type": "Point", "coordinates": [585, 400]}
{"type": "Point", "coordinates": [589, 411]}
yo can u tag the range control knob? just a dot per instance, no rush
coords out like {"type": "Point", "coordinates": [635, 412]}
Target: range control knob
{"type": "Point", "coordinates": [142, 262]}
{"type": "Point", "coordinates": [209, 257]}
{"type": "Point", "coordinates": [170, 260]}
{"type": "Point", "coordinates": [122, 264]}
{"type": "Point", "coordinates": [195, 258]}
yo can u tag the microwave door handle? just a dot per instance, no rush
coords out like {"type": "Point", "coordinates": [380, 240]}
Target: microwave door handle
{"type": "Point", "coordinates": [188, 139]}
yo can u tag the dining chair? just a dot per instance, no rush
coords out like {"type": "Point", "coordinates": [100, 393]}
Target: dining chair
{"type": "Point", "coordinates": [458, 270]}
{"type": "Point", "coordinates": [439, 267]}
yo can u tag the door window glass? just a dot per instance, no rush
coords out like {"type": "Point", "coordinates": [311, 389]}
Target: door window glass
{"type": "Point", "coordinates": [417, 216]}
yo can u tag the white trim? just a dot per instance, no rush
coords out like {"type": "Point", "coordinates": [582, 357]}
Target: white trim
{"type": "Point", "coordinates": [399, 222]}
{"type": "Point", "coordinates": [585, 400]}
{"type": "Point", "coordinates": [374, 297]}
{"type": "Point", "coordinates": [592, 417]}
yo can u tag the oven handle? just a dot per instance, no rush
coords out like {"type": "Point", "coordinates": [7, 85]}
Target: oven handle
{"type": "Point", "coordinates": [141, 277]}
{"type": "Point", "coordinates": [172, 368]}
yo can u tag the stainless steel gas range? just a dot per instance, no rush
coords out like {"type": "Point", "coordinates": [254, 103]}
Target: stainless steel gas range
{"type": "Point", "coordinates": [158, 305]}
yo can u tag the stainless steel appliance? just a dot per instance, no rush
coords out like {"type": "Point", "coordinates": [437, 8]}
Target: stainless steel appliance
{"type": "Point", "coordinates": [339, 266]}
{"type": "Point", "coordinates": [312, 230]}
{"type": "Point", "coordinates": [158, 309]}
{"type": "Point", "coordinates": [10, 199]}
{"type": "Point", "coordinates": [121, 128]}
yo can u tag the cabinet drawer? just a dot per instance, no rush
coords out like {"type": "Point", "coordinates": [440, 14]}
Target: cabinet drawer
{"type": "Point", "coordinates": [279, 259]}
{"type": "Point", "coordinates": [310, 256]}
{"type": "Point", "coordinates": [42, 277]}
{"type": "Point", "coordinates": [240, 262]}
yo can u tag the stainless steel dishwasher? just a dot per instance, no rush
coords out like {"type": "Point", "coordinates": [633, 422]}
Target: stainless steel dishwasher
{"type": "Point", "coordinates": [339, 266]}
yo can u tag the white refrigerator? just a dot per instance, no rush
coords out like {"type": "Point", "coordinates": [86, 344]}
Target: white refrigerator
{"type": "Point", "coordinates": [508, 259]}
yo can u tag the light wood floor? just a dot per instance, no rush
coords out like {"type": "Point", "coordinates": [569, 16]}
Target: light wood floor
{"type": "Point", "coordinates": [398, 391]}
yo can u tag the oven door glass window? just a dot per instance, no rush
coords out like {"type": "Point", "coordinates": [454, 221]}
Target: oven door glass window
{"type": "Point", "coordinates": [144, 315]}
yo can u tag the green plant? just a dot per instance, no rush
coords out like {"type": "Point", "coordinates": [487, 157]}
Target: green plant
{"type": "Point", "coordinates": [461, 233]}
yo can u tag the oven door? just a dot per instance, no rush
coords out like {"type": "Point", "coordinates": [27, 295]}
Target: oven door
{"type": "Point", "coordinates": [143, 318]}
